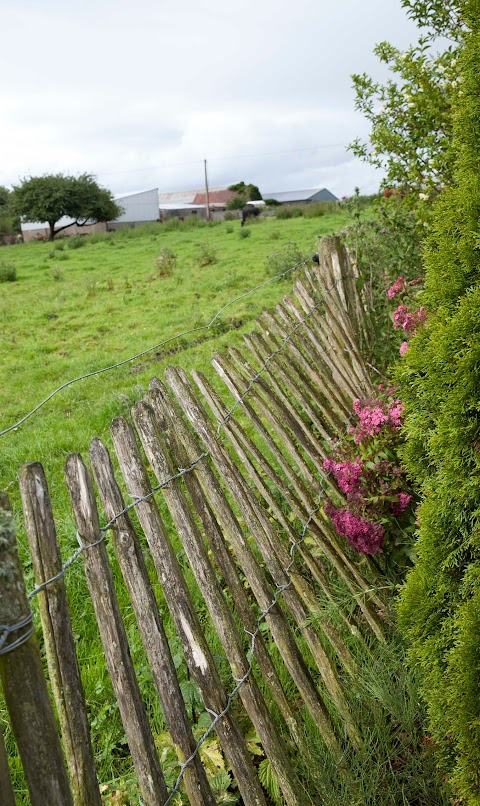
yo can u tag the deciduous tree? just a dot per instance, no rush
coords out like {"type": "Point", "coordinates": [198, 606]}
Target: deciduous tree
{"type": "Point", "coordinates": [53, 196]}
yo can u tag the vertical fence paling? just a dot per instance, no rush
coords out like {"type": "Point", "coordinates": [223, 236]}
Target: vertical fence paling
{"type": "Point", "coordinates": [57, 631]}
{"type": "Point", "coordinates": [183, 447]}
{"type": "Point", "coordinates": [7, 796]}
{"type": "Point", "coordinates": [220, 614]}
{"type": "Point", "coordinates": [24, 685]}
{"type": "Point", "coordinates": [135, 574]}
{"type": "Point", "coordinates": [184, 616]}
{"type": "Point", "coordinates": [113, 635]}
{"type": "Point", "coordinates": [259, 528]}
{"type": "Point", "coordinates": [275, 617]}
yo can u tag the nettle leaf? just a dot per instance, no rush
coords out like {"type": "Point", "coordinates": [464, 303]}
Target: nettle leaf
{"type": "Point", "coordinates": [211, 755]}
{"type": "Point", "coordinates": [220, 781]}
{"type": "Point", "coordinates": [269, 782]}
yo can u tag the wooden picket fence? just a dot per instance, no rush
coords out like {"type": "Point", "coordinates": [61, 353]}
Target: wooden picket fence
{"type": "Point", "coordinates": [237, 478]}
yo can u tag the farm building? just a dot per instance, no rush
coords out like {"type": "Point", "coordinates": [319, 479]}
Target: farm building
{"type": "Point", "coordinates": [183, 203]}
{"type": "Point", "coordinates": [138, 208]}
{"type": "Point", "coordinates": [300, 196]}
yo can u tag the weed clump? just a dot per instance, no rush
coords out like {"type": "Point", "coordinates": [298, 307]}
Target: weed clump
{"type": "Point", "coordinates": [8, 272]}
{"type": "Point", "coordinates": [76, 242]}
{"type": "Point", "coordinates": [245, 233]}
{"type": "Point", "coordinates": [280, 262]}
{"type": "Point", "coordinates": [206, 254]}
{"type": "Point", "coordinates": [166, 262]}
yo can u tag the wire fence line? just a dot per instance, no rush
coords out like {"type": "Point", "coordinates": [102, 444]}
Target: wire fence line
{"type": "Point", "coordinates": [129, 360]}
{"type": "Point", "coordinates": [180, 471]}
{"type": "Point", "coordinates": [294, 543]}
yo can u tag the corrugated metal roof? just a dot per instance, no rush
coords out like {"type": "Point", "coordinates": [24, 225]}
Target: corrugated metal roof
{"type": "Point", "coordinates": [292, 195]}
{"type": "Point", "coordinates": [216, 195]}
{"type": "Point", "coordinates": [221, 196]}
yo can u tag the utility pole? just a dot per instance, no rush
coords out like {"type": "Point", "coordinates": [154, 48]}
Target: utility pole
{"type": "Point", "coordinates": [206, 190]}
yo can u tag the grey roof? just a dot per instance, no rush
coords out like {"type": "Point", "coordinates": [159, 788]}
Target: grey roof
{"type": "Point", "coordinates": [299, 195]}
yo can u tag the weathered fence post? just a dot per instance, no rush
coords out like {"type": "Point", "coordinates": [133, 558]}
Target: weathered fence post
{"type": "Point", "coordinates": [222, 618]}
{"type": "Point", "coordinates": [113, 635]}
{"type": "Point", "coordinates": [7, 797]}
{"type": "Point", "coordinates": [23, 681]}
{"type": "Point", "coordinates": [57, 631]}
{"type": "Point", "coordinates": [135, 574]}
{"type": "Point", "coordinates": [195, 648]}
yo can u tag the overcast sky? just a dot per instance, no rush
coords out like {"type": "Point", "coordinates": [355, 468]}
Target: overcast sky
{"type": "Point", "coordinates": [139, 92]}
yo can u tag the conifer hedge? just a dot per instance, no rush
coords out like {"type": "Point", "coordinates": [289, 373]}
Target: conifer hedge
{"type": "Point", "coordinates": [439, 378]}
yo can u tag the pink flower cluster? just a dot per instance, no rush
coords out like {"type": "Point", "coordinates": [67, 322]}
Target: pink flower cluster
{"type": "Point", "coordinates": [408, 321]}
{"type": "Point", "coordinates": [401, 505]}
{"type": "Point", "coordinates": [398, 286]}
{"type": "Point", "coordinates": [374, 415]}
{"type": "Point", "coordinates": [363, 535]}
{"type": "Point", "coordinates": [403, 347]}
{"type": "Point", "coordinates": [347, 474]}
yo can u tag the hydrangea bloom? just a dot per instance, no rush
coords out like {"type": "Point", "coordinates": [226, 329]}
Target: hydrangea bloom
{"type": "Point", "coordinates": [398, 286]}
{"type": "Point", "coordinates": [363, 535]}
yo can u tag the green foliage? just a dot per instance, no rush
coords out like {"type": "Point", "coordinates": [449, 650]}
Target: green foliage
{"type": "Point", "coordinates": [52, 196]}
{"type": "Point", "coordinates": [206, 253]}
{"type": "Point", "coordinates": [282, 261]}
{"type": "Point", "coordinates": [439, 609]}
{"type": "Point", "coordinates": [244, 193]}
{"type": "Point", "coordinates": [229, 216]}
{"type": "Point", "coordinates": [289, 211]}
{"type": "Point", "coordinates": [244, 233]}
{"type": "Point", "coordinates": [8, 272]}
{"type": "Point", "coordinates": [76, 242]}
{"type": "Point", "coordinates": [9, 222]}
{"type": "Point", "coordinates": [411, 114]}
{"type": "Point", "coordinates": [386, 241]}
{"type": "Point", "coordinates": [269, 782]}
{"type": "Point", "coordinates": [166, 262]}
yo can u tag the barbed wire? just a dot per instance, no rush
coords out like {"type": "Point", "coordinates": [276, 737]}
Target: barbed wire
{"type": "Point", "coordinates": [118, 364]}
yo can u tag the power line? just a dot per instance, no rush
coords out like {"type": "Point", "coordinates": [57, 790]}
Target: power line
{"type": "Point", "coordinates": [224, 159]}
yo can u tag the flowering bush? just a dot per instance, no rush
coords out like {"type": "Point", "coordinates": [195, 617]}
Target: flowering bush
{"type": "Point", "coordinates": [373, 510]}
{"type": "Point", "coordinates": [404, 318]}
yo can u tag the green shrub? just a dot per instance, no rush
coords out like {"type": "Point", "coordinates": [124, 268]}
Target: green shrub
{"type": "Point", "coordinates": [76, 241]}
{"type": "Point", "coordinates": [8, 272]}
{"type": "Point", "coordinates": [245, 232]}
{"type": "Point", "coordinates": [59, 246]}
{"type": "Point", "coordinates": [318, 209]}
{"type": "Point", "coordinates": [289, 211]}
{"type": "Point", "coordinates": [206, 254]}
{"type": "Point", "coordinates": [229, 229]}
{"type": "Point", "coordinates": [57, 273]}
{"type": "Point", "coordinates": [63, 256]}
{"type": "Point", "coordinates": [229, 216]}
{"type": "Point", "coordinates": [386, 242]}
{"type": "Point", "coordinates": [287, 258]}
{"type": "Point", "coordinates": [166, 262]}
{"type": "Point", "coordinates": [439, 609]}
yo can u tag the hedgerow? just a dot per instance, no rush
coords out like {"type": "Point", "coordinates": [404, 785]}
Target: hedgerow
{"type": "Point", "coordinates": [439, 379]}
